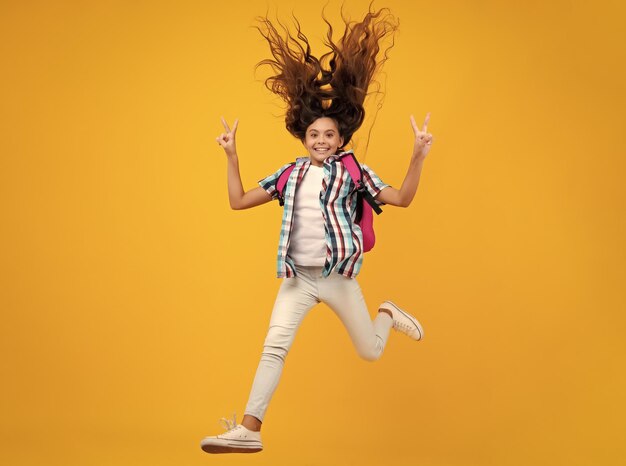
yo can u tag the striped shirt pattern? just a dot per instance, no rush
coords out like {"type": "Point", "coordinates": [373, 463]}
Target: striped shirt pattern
{"type": "Point", "coordinates": [344, 239]}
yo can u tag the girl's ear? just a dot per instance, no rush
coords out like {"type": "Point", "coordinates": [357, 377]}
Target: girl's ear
{"type": "Point", "coordinates": [340, 141]}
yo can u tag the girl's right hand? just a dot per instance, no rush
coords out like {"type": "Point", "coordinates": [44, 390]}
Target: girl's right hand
{"type": "Point", "coordinates": [227, 139]}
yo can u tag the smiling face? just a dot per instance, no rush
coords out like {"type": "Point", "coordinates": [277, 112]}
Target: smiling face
{"type": "Point", "coordinates": [322, 139]}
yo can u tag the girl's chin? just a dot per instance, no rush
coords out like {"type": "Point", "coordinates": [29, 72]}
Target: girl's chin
{"type": "Point", "coordinates": [320, 156]}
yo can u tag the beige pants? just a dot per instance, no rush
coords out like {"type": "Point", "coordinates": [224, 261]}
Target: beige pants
{"type": "Point", "coordinates": [296, 296]}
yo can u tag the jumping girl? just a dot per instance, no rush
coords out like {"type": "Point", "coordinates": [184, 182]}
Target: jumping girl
{"type": "Point", "coordinates": [321, 245]}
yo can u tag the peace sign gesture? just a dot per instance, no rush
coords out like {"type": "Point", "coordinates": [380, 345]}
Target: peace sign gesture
{"type": "Point", "coordinates": [423, 139]}
{"type": "Point", "coordinates": [227, 139]}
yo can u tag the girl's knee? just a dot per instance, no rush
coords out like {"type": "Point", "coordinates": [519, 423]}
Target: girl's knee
{"type": "Point", "coordinates": [272, 353]}
{"type": "Point", "coordinates": [277, 342]}
{"type": "Point", "coordinates": [279, 336]}
{"type": "Point", "coordinates": [370, 354]}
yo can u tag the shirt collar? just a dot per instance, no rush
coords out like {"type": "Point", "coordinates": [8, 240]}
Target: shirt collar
{"type": "Point", "coordinates": [305, 159]}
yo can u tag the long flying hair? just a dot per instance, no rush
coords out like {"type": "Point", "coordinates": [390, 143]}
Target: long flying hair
{"type": "Point", "coordinates": [336, 84]}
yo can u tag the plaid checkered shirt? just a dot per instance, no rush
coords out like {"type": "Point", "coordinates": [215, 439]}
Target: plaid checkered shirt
{"type": "Point", "coordinates": [344, 240]}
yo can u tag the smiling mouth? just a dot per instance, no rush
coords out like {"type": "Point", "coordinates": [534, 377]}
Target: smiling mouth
{"type": "Point", "coordinates": [322, 149]}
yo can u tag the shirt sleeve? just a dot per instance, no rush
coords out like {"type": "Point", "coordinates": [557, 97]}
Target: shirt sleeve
{"type": "Point", "coordinates": [269, 183]}
{"type": "Point", "coordinates": [372, 182]}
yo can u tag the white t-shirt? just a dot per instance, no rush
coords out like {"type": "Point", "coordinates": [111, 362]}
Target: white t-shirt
{"type": "Point", "coordinates": [307, 243]}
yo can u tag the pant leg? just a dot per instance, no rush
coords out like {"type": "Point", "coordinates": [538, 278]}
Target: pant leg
{"type": "Point", "coordinates": [343, 295]}
{"type": "Point", "coordinates": [296, 296]}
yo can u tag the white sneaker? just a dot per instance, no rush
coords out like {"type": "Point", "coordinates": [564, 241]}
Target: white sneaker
{"type": "Point", "coordinates": [237, 439]}
{"type": "Point", "coordinates": [403, 321]}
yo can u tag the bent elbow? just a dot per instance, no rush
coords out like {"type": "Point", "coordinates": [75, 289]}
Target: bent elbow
{"type": "Point", "coordinates": [404, 203]}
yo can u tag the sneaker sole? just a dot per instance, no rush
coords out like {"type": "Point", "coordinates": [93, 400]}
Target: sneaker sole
{"type": "Point", "coordinates": [411, 318]}
{"type": "Point", "coordinates": [229, 449]}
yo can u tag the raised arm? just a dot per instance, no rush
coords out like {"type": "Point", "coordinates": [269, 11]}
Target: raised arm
{"type": "Point", "coordinates": [404, 196]}
{"type": "Point", "coordinates": [238, 198]}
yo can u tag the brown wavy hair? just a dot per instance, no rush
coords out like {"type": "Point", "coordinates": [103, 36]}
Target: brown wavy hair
{"type": "Point", "coordinates": [336, 84]}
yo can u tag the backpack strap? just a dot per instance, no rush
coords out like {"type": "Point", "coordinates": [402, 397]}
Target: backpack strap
{"type": "Point", "coordinates": [281, 181]}
{"type": "Point", "coordinates": [356, 173]}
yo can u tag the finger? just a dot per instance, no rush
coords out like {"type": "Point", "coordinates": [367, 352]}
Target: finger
{"type": "Point", "coordinates": [425, 127]}
{"type": "Point", "coordinates": [235, 126]}
{"type": "Point", "coordinates": [414, 125]}
{"type": "Point", "coordinates": [225, 125]}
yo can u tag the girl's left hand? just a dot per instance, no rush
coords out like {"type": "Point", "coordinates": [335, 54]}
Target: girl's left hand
{"type": "Point", "coordinates": [423, 139]}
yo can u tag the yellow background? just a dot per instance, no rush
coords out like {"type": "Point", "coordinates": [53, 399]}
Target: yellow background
{"type": "Point", "coordinates": [135, 302]}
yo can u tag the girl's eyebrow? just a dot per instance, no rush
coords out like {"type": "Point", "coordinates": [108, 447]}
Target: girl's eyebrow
{"type": "Point", "coordinates": [311, 131]}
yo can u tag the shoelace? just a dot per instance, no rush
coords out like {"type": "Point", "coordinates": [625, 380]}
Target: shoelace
{"type": "Point", "coordinates": [227, 424]}
{"type": "Point", "coordinates": [401, 326]}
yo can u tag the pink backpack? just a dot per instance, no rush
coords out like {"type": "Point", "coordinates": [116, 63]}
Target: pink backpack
{"type": "Point", "coordinates": [365, 202]}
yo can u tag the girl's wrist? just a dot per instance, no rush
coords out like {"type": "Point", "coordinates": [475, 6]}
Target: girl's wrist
{"type": "Point", "coordinates": [418, 158]}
